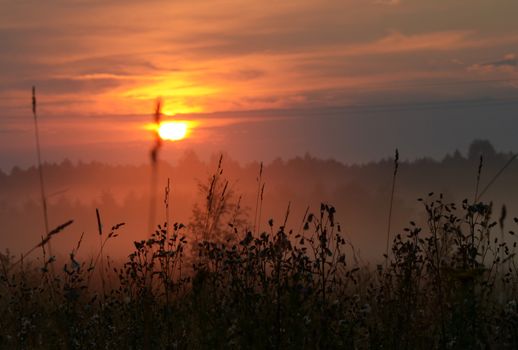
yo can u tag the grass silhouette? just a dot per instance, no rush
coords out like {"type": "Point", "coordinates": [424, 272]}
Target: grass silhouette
{"type": "Point", "coordinates": [451, 284]}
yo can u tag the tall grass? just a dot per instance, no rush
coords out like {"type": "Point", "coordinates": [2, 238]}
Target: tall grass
{"type": "Point", "coordinates": [449, 284]}
{"type": "Point", "coordinates": [154, 153]}
{"type": "Point", "coordinates": [40, 168]}
{"type": "Point", "coordinates": [391, 206]}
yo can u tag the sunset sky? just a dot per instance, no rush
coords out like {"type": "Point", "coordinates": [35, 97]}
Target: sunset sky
{"type": "Point", "coordinates": [348, 79]}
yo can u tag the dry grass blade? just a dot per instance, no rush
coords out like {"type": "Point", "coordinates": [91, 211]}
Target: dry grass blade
{"type": "Point", "coordinates": [99, 225]}
{"type": "Point", "coordinates": [157, 118]}
{"type": "Point", "coordinates": [167, 192]}
{"type": "Point", "coordinates": [497, 175]}
{"type": "Point", "coordinates": [479, 173]}
{"type": "Point", "coordinates": [396, 166]}
{"type": "Point", "coordinates": [100, 228]}
{"type": "Point", "coordinates": [259, 196]}
{"type": "Point", "coordinates": [45, 240]}
{"type": "Point", "coordinates": [54, 232]}
{"type": "Point", "coordinates": [40, 170]}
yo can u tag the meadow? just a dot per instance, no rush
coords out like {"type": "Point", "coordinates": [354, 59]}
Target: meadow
{"type": "Point", "coordinates": [122, 226]}
{"type": "Point", "coordinates": [222, 282]}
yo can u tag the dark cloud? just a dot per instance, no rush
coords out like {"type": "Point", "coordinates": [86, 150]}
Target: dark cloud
{"type": "Point", "coordinates": [65, 85]}
{"type": "Point", "coordinates": [122, 65]}
{"type": "Point", "coordinates": [242, 75]}
{"type": "Point", "coordinates": [506, 64]}
{"type": "Point", "coordinates": [510, 60]}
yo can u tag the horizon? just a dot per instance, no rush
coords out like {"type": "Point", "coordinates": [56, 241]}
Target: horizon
{"type": "Point", "coordinates": [206, 158]}
{"type": "Point", "coordinates": [355, 146]}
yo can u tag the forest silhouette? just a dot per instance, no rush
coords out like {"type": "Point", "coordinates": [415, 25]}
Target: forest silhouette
{"type": "Point", "coordinates": [360, 193]}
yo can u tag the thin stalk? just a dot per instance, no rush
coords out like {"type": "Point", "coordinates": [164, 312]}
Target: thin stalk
{"type": "Point", "coordinates": [167, 192]}
{"type": "Point", "coordinates": [396, 166]}
{"type": "Point", "coordinates": [101, 245]}
{"type": "Point", "coordinates": [260, 210]}
{"type": "Point", "coordinates": [154, 167]}
{"type": "Point", "coordinates": [44, 241]}
{"type": "Point", "coordinates": [438, 276]}
{"type": "Point", "coordinates": [501, 288]}
{"type": "Point", "coordinates": [259, 195]}
{"type": "Point", "coordinates": [479, 172]}
{"type": "Point", "coordinates": [494, 178]}
{"type": "Point", "coordinates": [40, 169]}
{"type": "Point", "coordinates": [303, 220]}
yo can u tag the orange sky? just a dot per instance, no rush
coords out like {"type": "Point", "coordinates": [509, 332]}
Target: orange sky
{"type": "Point", "coordinates": [99, 65]}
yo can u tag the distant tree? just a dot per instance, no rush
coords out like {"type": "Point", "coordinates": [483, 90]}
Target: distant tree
{"type": "Point", "coordinates": [457, 155]}
{"type": "Point", "coordinates": [453, 159]}
{"type": "Point", "coordinates": [481, 148]}
{"type": "Point", "coordinates": [190, 162]}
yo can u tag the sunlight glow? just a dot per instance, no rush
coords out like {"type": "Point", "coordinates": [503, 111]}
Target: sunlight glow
{"type": "Point", "coordinates": [173, 131]}
{"type": "Point", "coordinates": [180, 93]}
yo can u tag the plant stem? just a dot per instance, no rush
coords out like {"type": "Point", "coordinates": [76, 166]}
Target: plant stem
{"type": "Point", "coordinates": [40, 169]}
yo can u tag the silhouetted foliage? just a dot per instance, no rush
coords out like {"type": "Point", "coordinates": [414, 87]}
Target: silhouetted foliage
{"type": "Point", "coordinates": [451, 284]}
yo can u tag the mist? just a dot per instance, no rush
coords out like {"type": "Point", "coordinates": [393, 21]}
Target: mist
{"type": "Point", "coordinates": [290, 188]}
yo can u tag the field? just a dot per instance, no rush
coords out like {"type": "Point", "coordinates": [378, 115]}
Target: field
{"type": "Point", "coordinates": [216, 284]}
{"type": "Point", "coordinates": [258, 174]}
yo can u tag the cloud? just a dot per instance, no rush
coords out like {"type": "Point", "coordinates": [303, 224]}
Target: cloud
{"type": "Point", "coordinates": [243, 74]}
{"type": "Point", "coordinates": [388, 2]}
{"type": "Point", "coordinates": [211, 55]}
{"type": "Point", "coordinates": [455, 40]}
{"type": "Point", "coordinates": [509, 63]}
{"type": "Point", "coordinates": [80, 85]}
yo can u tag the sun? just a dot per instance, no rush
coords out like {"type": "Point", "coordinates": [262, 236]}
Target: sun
{"type": "Point", "coordinates": [173, 131]}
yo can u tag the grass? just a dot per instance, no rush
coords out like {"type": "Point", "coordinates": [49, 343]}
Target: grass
{"type": "Point", "coordinates": [393, 189]}
{"type": "Point", "coordinates": [451, 284]}
{"type": "Point", "coordinates": [40, 169]}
